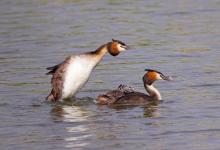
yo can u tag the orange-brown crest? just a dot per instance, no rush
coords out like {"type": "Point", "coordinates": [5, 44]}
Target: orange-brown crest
{"type": "Point", "coordinates": [152, 75]}
{"type": "Point", "coordinates": [113, 48]}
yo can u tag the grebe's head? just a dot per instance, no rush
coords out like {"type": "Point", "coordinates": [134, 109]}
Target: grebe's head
{"type": "Point", "coordinates": [153, 75]}
{"type": "Point", "coordinates": [116, 46]}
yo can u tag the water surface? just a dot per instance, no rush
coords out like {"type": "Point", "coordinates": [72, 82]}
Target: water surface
{"type": "Point", "coordinates": [178, 38]}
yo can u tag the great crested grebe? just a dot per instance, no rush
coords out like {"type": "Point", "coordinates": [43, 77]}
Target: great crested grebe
{"type": "Point", "coordinates": [126, 95]}
{"type": "Point", "coordinates": [70, 75]}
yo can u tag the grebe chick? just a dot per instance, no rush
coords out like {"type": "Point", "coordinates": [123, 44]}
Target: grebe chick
{"type": "Point", "coordinates": [130, 97]}
{"type": "Point", "coordinates": [72, 74]}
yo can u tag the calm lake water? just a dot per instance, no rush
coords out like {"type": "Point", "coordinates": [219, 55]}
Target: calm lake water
{"type": "Point", "coordinates": [178, 38]}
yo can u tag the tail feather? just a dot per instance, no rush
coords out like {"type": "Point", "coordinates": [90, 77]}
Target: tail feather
{"type": "Point", "coordinates": [50, 72]}
{"type": "Point", "coordinates": [52, 69]}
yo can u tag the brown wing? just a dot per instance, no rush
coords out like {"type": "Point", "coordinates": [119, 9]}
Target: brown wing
{"type": "Point", "coordinates": [134, 98]}
{"type": "Point", "coordinates": [57, 79]}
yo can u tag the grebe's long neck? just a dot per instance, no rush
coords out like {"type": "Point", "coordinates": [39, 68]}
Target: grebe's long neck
{"type": "Point", "coordinates": [152, 91]}
{"type": "Point", "coordinates": [99, 53]}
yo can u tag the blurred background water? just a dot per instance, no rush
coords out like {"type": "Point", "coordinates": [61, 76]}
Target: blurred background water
{"type": "Point", "coordinates": [178, 38]}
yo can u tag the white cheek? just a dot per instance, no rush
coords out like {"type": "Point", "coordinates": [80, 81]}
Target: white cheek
{"type": "Point", "coordinates": [159, 77]}
{"type": "Point", "coordinates": [120, 48]}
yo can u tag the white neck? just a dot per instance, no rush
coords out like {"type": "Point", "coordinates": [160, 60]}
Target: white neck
{"type": "Point", "coordinates": [99, 53]}
{"type": "Point", "coordinates": [152, 91]}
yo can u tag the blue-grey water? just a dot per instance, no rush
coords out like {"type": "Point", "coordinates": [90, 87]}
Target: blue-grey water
{"type": "Point", "coordinates": [178, 38]}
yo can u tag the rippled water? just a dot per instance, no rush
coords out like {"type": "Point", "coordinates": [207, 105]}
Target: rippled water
{"type": "Point", "coordinates": [178, 38]}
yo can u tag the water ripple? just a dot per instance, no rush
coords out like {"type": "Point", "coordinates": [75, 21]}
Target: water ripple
{"type": "Point", "coordinates": [187, 132]}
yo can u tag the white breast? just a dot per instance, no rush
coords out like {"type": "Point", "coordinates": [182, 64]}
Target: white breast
{"type": "Point", "coordinates": [153, 92]}
{"type": "Point", "coordinates": [77, 75]}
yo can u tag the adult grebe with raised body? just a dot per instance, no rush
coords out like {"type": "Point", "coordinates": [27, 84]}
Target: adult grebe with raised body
{"type": "Point", "coordinates": [72, 74]}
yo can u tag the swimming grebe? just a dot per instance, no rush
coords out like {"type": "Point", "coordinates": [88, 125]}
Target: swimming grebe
{"type": "Point", "coordinates": [70, 75]}
{"type": "Point", "coordinates": [126, 95]}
